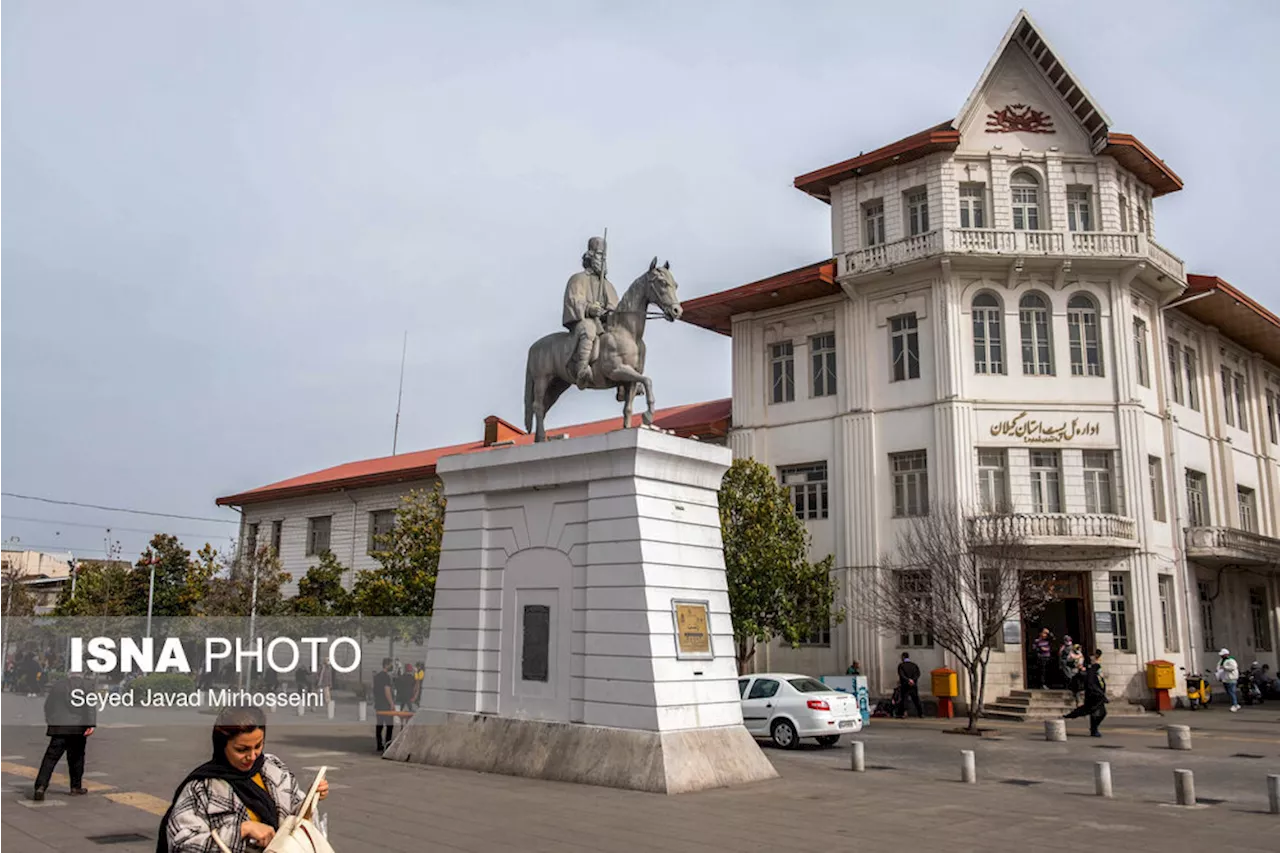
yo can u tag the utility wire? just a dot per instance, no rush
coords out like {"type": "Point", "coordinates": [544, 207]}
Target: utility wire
{"type": "Point", "coordinates": [110, 527]}
{"type": "Point", "coordinates": [120, 509]}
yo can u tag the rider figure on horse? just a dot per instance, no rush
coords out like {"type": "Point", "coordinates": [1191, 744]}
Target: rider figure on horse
{"type": "Point", "coordinates": [587, 297]}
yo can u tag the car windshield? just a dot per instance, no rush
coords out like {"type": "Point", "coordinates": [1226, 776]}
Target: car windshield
{"type": "Point", "coordinates": [808, 685]}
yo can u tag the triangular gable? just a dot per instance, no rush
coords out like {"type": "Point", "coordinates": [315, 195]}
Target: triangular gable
{"type": "Point", "coordinates": [1081, 109]}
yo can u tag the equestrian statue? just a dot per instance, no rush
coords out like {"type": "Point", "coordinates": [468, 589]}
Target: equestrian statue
{"type": "Point", "coordinates": [604, 344]}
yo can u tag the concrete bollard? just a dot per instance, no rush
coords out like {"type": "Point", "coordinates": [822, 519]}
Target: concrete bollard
{"type": "Point", "coordinates": [364, 711]}
{"type": "Point", "coordinates": [1179, 737]}
{"type": "Point", "coordinates": [1055, 730]}
{"type": "Point", "coordinates": [1184, 787]}
{"type": "Point", "coordinates": [331, 709]}
{"type": "Point", "coordinates": [968, 767]}
{"type": "Point", "coordinates": [858, 763]}
{"type": "Point", "coordinates": [302, 709]}
{"type": "Point", "coordinates": [1273, 793]}
{"type": "Point", "coordinates": [1102, 778]}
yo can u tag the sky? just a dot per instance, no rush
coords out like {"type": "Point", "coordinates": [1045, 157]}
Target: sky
{"type": "Point", "coordinates": [220, 219]}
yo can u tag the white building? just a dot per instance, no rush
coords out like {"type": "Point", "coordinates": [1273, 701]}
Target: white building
{"type": "Point", "coordinates": [999, 329]}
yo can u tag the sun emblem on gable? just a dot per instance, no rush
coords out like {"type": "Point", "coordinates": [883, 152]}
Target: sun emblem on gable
{"type": "Point", "coordinates": [1019, 118]}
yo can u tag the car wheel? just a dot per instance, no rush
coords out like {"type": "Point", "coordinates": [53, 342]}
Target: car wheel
{"type": "Point", "coordinates": [828, 740]}
{"type": "Point", "coordinates": [784, 735]}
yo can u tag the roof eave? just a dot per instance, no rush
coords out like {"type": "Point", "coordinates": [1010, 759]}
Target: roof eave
{"type": "Point", "coordinates": [940, 137]}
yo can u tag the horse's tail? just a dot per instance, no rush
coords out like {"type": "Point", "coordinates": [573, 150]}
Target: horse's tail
{"type": "Point", "coordinates": [528, 394]}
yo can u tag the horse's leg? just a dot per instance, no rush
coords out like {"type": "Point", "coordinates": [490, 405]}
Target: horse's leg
{"type": "Point", "coordinates": [540, 406]}
{"type": "Point", "coordinates": [627, 373]}
{"type": "Point", "coordinates": [629, 396]}
{"type": "Point", "coordinates": [648, 399]}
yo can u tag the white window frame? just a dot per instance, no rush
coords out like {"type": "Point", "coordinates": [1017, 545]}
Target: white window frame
{"type": "Point", "coordinates": [873, 223]}
{"type": "Point", "coordinates": [1259, 619]}
{"type": "Point", "coordinates": [315, 546]}
{"type": "Point", "coordinates": [1155, 473]}
{"type": "Point", "coordinates": [1124, 212]}
{"type": "Point", "coordinates": [1099, 482]}
{"type": "Point", "coordinates": [1024, 196]}
{"type": "Point", "coordinates": [1084, 335]}
{"type": "Point", "coordinates": [988, 334]}
{"type": "Point", "coordinates": [973, 206]}
{"type": "Point", "coordinates": [904, 332]}
{"type": "Point", "coordinates": [1273, 416]}
{"type": "Point", "coordinates": [377, 528]}
{"type": "Point", "coordinates": [1247, 508]}
{"type": "Point", "coordinates": [917, 211]}
{"type": "Point", "coordinates": [1197, 488]}
{"type": "Point", "coordinates": [1165, 591]}
{"type": "Point", "coordinates": [916, 584]}
{"type": "Point", "coordinates": [993, 480]}
{"type": "Point", "coordinates": [809, 486]}
{"type": "Point", "coordinates": [1242, 401]}
{"type": "Point", "coordinates": [1191, 365]}
{"type": "Point", "coordinates": [1228, 410]}
{"type": "Point", "coordinates": [1174, 352]}
{"type": "Point", "coordinates": [782, 372]}
{"type": "Point", "coordinates": [1079, 209]}
{"type": "Point", "coordinates": [1119, 588]}
{"type": "Point", "coordinates": [1046, 482]}
{"type": "Point", "coordinates": [822, 350]}
{"type": "Point", "coordinates": [1140, 361]}
{"type": "Point", "coordinates": [1208, 637]}
{"type": "Point", "coordinates": [1036, 326]}
{"type": "Point", "coordinates": [910, 483]}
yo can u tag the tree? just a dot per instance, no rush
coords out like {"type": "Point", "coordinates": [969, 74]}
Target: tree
{"type": "Point", "coordinates": [774, 590]}
{"type": "Point", "coordinates": [320, 591]}
{"type": "Point", "coordinates": [16, 599]}
{"type": "Point", "coordinates": [179, 589]}
{"type": "Point", "coordinates": [958, 579]}
{"type": "Point", "coordinates": [404, 584]}
{"type": "Point", "coordinates": [103, 588]}
{"type": "Point", "coordinates": [230, 584]}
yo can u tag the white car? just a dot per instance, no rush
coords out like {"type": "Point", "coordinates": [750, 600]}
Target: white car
{"type": "Point", "coordinates": [787, 707]}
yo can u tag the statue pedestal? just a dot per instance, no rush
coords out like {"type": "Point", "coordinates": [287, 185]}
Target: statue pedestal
{"type": "Point", "coordinates": [581, 628]}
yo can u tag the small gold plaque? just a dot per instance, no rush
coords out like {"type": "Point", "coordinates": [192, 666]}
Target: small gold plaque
{"type": "Point", "coordinates": [693, 628]}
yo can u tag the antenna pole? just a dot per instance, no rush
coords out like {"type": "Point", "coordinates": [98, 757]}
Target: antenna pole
{"type": "Point", "coordinates": [395, 438]}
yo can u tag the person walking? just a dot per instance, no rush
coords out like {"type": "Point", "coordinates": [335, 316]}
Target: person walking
{"type": "Point", "coordinates": [908, 686]}
{"type": "Point", "coordinates": [238, 797]}
{"type": "Point", "coordinates": [1229, 674]}
{"type": "Point", "coordinates": [1095, 697]}
{"type": "Point", "coordinates": [383, 701]}
{"type": "Point", "coordinates": [1071, 660]}
{"type": "Point", "coordinates": [404, 686]}
{"type": "Point", "coordinates": [1041, 654]}
{"type": "Point", "coordinates": [69, 724]}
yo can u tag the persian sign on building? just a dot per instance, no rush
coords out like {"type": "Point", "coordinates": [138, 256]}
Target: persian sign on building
{"type": "Point", "coordinates": [1049, 428]}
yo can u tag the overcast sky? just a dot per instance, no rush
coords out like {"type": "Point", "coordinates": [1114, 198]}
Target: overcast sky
{"type": "Point", "coordinates": [220, 218]}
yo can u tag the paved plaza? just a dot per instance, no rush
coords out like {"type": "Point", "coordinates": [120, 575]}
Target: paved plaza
{"type": "Point", "coordinates": [1030, 794]}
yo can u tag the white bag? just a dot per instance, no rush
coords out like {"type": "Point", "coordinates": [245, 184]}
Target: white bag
{"type": "Point", "coordinates": [296, 833]}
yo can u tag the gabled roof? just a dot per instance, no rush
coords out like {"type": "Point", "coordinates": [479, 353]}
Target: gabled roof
{"type": "Point", "coordinates": [714, 311]}
{"type": "Point", "coordinates": [1216, 303]}
{"type": "Point", "coordinates": [699, 420]}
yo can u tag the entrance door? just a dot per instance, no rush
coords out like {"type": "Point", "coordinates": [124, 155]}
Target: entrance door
{"type": "Point", "coordinates": [1067, 615]}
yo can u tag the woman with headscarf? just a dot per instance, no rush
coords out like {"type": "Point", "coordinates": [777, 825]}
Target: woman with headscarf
{"type": "Point", "coordinates": [241, 794]}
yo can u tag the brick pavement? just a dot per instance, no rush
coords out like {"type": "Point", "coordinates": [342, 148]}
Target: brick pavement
{"type": "Point", "coordinates": [381, 805]}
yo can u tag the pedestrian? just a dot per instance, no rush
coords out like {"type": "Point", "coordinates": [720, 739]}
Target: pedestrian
{"type": "Point", "coordinates": [325, 682]}
{"type": "Point", "coordinates": [1071, 661]}
{"type": "Point", "coordinates": [405, 684]}
{"type": "Point", "coordinates": [1229, 674]}
{"type": "Point", "coordinates": [1041, 654]}
{"type": "Point", "coordinates": [239, 796]}
{"type": "Point", "coordinates": [908, 686]}
{"type": "Point", "coordinates": [419, 675]}
{"type": "Point", "coordinates": [854, 669]}
{"type": "Point", "coordinates": [383, 701]}
{"type": "Point", "coordinates": [1095, 697]}
{"type": "Point", "coordinates": [70, 721]}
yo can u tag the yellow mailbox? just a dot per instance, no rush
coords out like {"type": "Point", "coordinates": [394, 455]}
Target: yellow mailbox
{"type": "Point", "coordinates": [944, 683]}
{"type": "Point", "coordinates": [1161, 675]}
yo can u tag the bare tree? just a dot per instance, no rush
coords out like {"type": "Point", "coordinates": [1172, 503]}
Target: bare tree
{"type": "Point", "coordinates": [957, 579]}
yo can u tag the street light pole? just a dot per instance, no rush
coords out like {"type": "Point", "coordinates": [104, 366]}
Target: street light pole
{"type": "Point", "coordinates": [151, 593]}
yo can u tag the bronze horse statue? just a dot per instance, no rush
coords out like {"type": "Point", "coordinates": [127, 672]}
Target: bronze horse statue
{"type": "Point", "coordinates": [619, 358]}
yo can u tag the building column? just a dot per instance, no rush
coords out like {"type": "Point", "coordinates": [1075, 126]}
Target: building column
{"type": "Point", "coordinates": [858, 535]}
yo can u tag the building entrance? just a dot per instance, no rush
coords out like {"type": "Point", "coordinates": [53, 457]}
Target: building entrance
{"type": "Point", "coordinates": [1067, 615]}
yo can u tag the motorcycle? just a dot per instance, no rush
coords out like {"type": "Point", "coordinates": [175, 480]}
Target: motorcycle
{"type": "Point", "coordinates": [1250, 692]}
{"type": "Point", "coordinates": [1198, 691]}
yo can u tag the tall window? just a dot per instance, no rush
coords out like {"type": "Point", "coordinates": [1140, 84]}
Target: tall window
{"type": "Point", "coordinates": [973, 206]}
{"type": "Point", "coordinates": [1175, 372]}
{"type": "Point", "coordinates": [1142, 220]}
{"type": "Point", "coordinates": [277, 535]}
{"type": "Point", "coordinates": [1037, 351]}
{"type": "Point", "coordinates": [1119, 612]}
{"type": "Point", "coordinates": [1124, 212]}
{"type": "Point", "coordinates": [1046, 481]}
{"type": "Point", "coordinates": [1208, 641]}
{"type": "Point", "coordinates": [1155, 473]}
{"type": "Point", "coordinates": [910, 483]}
{"type": "Point", "coordinates": [1242, 409]}
{"type": "Point", "coordinates": [782, 366]}
{"type": "Point", "coordinates": [917, 211]}
{"type": "Point", "coordinates": [1247, 501]}
{"type": "Point", "coordinates": [917, 595]}
{"type": "Point", "coordinates": [318, 534]}
{"type": "Point", "coordinates": [1079, 217]}
{"type": "Point", "coordinates": [808, 487]}
{"type": "Point", "coordinates": [818, 637]}
{"type": "Point", "coordinates": [1168, 617]}
{"type": "Point", "coordinates": [992, 480]}
{"type": "Point", "coordinates": [1140, 352]}
{"type": "Point", "coordinates": [251, 539]}
{"type": "Point", "coordinates": [1025, 191]}
{"type": "Point", "coordinates": [1098, 494]}
{"type": "Point", "coordinates": [1273, 416]}
{"type": "Point", "coordinates": [1191, 362]}
{"type": "Point", "coordinates": [873, 222]}
{"type": "Point", "coordinates": [823, 349]}
{"type": "Point", "coordinates": [1082, 331]}
{"type": "Point", "coordinates": [1228, 397]}
{"type": "Point", "coordinates": [1197, 499]}
{"type": "Point", "coordinates": [904, 346]}
{"type": "Point", "coordinates": [1258, 619]}
{"type": "Point", "coordinates": [381, 523]}
{"type": "Point", "coordinates": [988, 344]}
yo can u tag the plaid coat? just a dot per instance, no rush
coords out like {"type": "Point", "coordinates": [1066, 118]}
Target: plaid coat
{"type": "Point", "coordinates": [210, 804]}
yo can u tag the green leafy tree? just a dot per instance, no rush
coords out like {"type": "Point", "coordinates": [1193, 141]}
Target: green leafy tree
{"type": "Point", "coordinates": [103, 588]}
{"type": "Point", "coordinates": [17, 599]}
{"type": "Point", "coordinates": [404, 585]}
{"type": "Point", "coordinates": [178, 589]}
{"type": "Point", "coordinates": [320, 591]}
{"type": "Point", "coordinates": [774, 589]}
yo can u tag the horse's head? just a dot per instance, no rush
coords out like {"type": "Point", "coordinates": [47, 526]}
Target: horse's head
{"type": "Point", "coordinates": [662, 290]}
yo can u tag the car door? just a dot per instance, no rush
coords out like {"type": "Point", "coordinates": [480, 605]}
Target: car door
{"type": "Point", "coordinates": [757, 707]}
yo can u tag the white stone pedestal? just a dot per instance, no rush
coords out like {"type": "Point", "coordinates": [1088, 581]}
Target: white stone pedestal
{"type": "Point", "coordinates": [553, 650]}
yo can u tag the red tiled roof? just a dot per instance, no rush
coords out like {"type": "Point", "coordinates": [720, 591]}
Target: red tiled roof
{"type": "Point", "coordinates": [696, 419]}
{"type": "Point", "coordinates": [941, 136]}
{"type": "Point", "coordinates": [715, 310]}
{"type": "Point", "coordinates": [1233, 313]}
{"type": "Point", "coordinates": [1129, 152]}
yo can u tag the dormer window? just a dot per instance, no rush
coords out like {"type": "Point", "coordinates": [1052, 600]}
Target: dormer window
{"type": "Point", "coordinates": [1025, 191]}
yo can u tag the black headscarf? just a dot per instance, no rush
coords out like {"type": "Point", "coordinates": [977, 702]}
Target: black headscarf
{"type": "Point", "coordinates": [256, 798]}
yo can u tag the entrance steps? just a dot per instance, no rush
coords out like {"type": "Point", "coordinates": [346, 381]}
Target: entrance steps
{"type": "Point", "coordinates": [1023, 705]}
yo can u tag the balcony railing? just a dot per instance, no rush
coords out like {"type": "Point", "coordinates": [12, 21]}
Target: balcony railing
{"type": "Point", "coordinates": [1227, 544]}
{"type": "Point", "coordinates": [1053, 528]}
{"type": "Point", "coordinates": [1016, 242]}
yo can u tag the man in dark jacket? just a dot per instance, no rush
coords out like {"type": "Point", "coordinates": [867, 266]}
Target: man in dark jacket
{"type": "Point", "coordinates": [1095, 697]}
{"type": "Point", "coordinates": [70, 720]}
{"type": "Point", "coordinates": [908, 686]}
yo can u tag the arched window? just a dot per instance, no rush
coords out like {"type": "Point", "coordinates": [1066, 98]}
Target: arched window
{"type": "Point", "coordinates": [1082, 330]}
{"type": "Point", "coordinates": [1037, 352]}
{"type": "Point", "coordinates": [988, 344]}
{"type": "Point", "coordinates": [1024, 188]}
